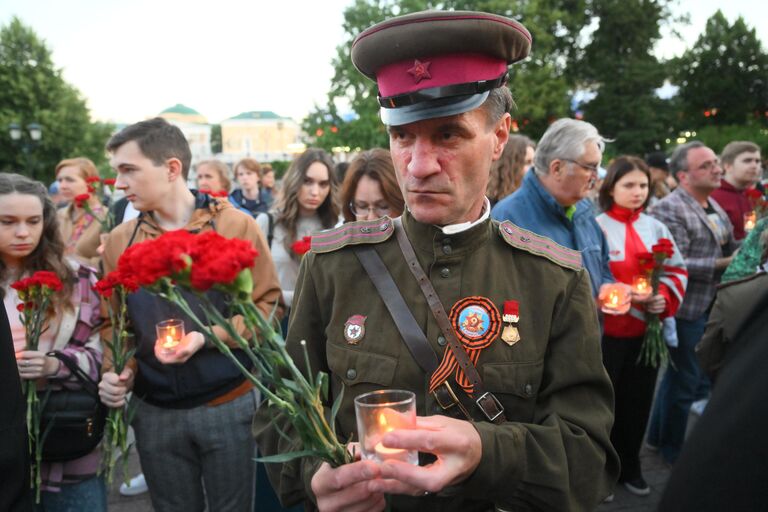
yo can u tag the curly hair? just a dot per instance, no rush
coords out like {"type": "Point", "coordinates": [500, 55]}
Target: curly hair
{"type": "Point", "coordinates": [287, 209]}
{"type": "Point", "coordinates": [49, 253]}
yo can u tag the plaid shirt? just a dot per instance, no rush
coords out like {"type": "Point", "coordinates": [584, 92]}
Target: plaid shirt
{"type": "Point", "coordinates": [699, 244]}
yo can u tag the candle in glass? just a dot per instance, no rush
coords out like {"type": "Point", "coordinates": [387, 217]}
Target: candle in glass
{"type": "Point", "coordinates": [750, 219]}
{"type": "Point", "coordinates": [380, 412]}
{"type": "Point", "coordinates": [615, 301]}
{"type": "Point", "coordinates": [641, 285]}
{"type": "Point", "coordinates": [169, 335]}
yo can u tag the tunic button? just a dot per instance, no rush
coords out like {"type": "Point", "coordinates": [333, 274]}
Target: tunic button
{"type": "Point", "coordinates": [441, 341]}
{"type": "Point", "coordinates": [351, 374]}
{"type": "Point", "coordinates": [445, 272]}
{"type": "Point", "coordinates": [447, 249]}
{"type": "Point", "coordinates": [528, 389]}
{"type": "Point", "coordinates": [384, 226]}
{"type": "Point", "coordinates": [525, 239]}
{"type": "Point", "coordinates": [365, 230]}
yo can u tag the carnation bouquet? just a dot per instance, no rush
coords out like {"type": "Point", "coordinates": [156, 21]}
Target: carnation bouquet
{"type": "Point", "coordinates": [654, 351]}
{"type": "Point", "coordinates": [116, 286]}
{"type": "Point", "coordinates": [198, 263]}
{"type": "Point", "coordinates": [35, 295]}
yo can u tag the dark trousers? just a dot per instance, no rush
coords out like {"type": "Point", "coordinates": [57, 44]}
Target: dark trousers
{"type": "Point", "coordinates": [679, 388]}
{"type": "Point", "coordinates": [633, 386]}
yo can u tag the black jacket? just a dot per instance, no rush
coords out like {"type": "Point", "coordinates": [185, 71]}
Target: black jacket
{"type": "Point", "coordinates": [15, 494]}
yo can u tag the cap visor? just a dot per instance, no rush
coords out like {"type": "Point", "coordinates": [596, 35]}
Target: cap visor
{"type": "Point", "coordinates": [443, 107]}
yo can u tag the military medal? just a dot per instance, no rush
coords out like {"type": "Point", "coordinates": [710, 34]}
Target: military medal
{"type": "Point", "coordinates": [476, 322]}
{"type": "Point", "coordinates": [511, 317]}
{"type": "Point", "coordinates": [354, 329]}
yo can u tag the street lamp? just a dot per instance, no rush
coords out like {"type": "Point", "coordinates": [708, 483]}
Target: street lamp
{"type": "Point", "coordinates": [27, 144]}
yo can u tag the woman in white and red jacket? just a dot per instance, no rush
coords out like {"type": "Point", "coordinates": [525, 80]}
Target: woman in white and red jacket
{"type": "Point", "coordinates": [623, 196]}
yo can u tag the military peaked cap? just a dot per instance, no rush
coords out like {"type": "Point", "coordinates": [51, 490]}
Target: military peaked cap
{"type": "Point", "coordinates": [438, 63]}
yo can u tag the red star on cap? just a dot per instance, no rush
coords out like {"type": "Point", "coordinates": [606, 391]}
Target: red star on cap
{"type": "Point", "coordinates": [420, 70]}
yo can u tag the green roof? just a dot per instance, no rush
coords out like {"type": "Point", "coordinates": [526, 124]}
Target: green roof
{"type": "Point", "coordinates": [261, 114]}
{"type": "Point", "coordinates": [181, 109]}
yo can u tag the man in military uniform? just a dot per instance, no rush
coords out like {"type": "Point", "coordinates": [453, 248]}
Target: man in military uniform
{"type": "Point", "coordinates": [540, 407]}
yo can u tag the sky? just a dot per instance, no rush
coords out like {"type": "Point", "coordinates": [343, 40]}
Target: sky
{"type": "Point", "coordinates": [131, 60]}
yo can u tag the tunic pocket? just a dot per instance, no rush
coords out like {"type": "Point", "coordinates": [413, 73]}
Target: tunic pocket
{"type": "Point", "coordinates": [516, 385]}
{"type": "Point", "coordinates": [357, 367]}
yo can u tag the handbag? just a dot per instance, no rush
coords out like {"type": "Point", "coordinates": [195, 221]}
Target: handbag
{"type": "Point", "coordinates": [72, 420]}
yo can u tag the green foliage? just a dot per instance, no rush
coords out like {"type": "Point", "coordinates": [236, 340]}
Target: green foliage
{"type": "Point", "coordinates": [619, 65]}
{"type": "Point", "coordinates": [32, 89]}
{"type": "Point", "coordinates": [216, 144]}
{"type": "Point", "coordinates": [279, 166]}
{"type": "Point", "coordinates": [717, 136]}
{"type": "Point", "coordinates": [724, 74]}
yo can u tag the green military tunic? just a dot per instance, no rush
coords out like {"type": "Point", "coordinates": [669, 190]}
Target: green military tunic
{"type": "Point", "coordinates": [553, 452]}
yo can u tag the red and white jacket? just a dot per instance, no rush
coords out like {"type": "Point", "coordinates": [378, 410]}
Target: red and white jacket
{"type": "Point", "coordinates": [629, 233]}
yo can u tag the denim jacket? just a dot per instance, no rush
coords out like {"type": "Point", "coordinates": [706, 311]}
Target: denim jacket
{"type": "Point", "coordinates": [532, 207]}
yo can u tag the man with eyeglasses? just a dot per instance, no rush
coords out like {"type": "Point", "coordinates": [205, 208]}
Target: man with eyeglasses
{"type": "Point", "coordinates": [704, 235]}
{"type": "Point", "coordinates": [552, 200]}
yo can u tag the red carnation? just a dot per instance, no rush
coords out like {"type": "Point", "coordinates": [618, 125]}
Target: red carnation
{"type": "Point", "coordinates": [663, 247]}
{"type": "Point", "coordinates": [753, 193]}
{"type": "Point", "coordinates": [109, 181]}
{"type": "Point", "coordinates": [219, 260]}
{"type": "Point", "coordinates": [81, 199]}
{"type": "Point", "coordinates": [20, 307]}
{"type": "Point", "coordinates": [301, 247]}
{"type": "Point", "coordinates": [92, 179]}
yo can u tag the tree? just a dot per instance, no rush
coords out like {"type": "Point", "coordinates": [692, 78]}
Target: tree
{"type": "Point", "coordinates": [540, 84]}
{"type": "Point", "coordinates": [723, 78]}
{"type": "Point", "coordinates": [216, 139]}
{"type": "Point", "coordinates": [32, 89]}
{"type": "Point", "coordinates": [618, 64]}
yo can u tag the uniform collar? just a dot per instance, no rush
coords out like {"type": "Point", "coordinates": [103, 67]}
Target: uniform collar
{"type": "Point", "coordinates": [435, 241]}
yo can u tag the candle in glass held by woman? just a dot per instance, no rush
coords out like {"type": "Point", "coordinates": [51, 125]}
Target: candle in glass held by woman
{"type": "Point", "coordinates": [615, 301]}
{"type": "Point", "coordinates": [169, 335]}
{"type": "Point", "coordinates": [641, 285]}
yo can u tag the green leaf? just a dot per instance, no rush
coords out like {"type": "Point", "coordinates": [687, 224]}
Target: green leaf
{"type": "Point", "coordinates": [285, 457]}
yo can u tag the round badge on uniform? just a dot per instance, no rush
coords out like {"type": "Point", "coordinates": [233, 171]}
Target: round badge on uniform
{"type": "Point", "coordinates": [354, 329]}
{"type": "Point", "coordinates": [476, 321]}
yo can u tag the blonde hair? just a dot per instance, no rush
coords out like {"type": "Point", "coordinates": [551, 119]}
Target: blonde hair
{"type": "Point", "coordinates": [221, 169]}
{"type": "Point", "coordinates": [84, 165]}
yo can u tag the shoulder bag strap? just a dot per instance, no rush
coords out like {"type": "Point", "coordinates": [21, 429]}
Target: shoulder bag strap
{"type": "Point", "coordinates": [88, 384]}
{"type": "Point", "coordinates": [486, 401]}
{"type": "Point", "coordinates": [407, 325]}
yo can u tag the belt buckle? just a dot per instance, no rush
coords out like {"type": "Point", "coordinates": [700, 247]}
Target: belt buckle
{"type": "Point", "coordinates": [500, 408]}
{"type": "Point", "coordinates": [451, 395]}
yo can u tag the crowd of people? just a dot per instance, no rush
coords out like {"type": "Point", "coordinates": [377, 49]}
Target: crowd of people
{"type": "Point", "coordinates": [530, 236]}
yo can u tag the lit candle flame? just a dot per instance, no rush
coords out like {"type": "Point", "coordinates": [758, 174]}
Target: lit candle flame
{"type": "Point", "coordinates": [614, 299]}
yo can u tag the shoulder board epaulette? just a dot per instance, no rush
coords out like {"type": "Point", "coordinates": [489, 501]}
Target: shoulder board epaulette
{"type": "Point", "coordinates": [728, 284]}
{"type": "Point", "coordinates": [539, 245]}
{"type": "Point", "coordinates": [353, 233]}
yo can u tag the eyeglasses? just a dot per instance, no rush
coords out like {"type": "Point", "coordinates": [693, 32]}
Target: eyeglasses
{"type": "Point", "coordinates": [710, 165]}
{"type": "Point", "coordinates": [589, 167]}
{"type": "Point", "coordinates": [362, 210]}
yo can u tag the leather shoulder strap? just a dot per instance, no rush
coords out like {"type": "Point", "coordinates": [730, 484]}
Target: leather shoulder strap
{"type": "Point", "coordinates": [406, 324]}
{"type": "Point", "coordinates": [491, 407]}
